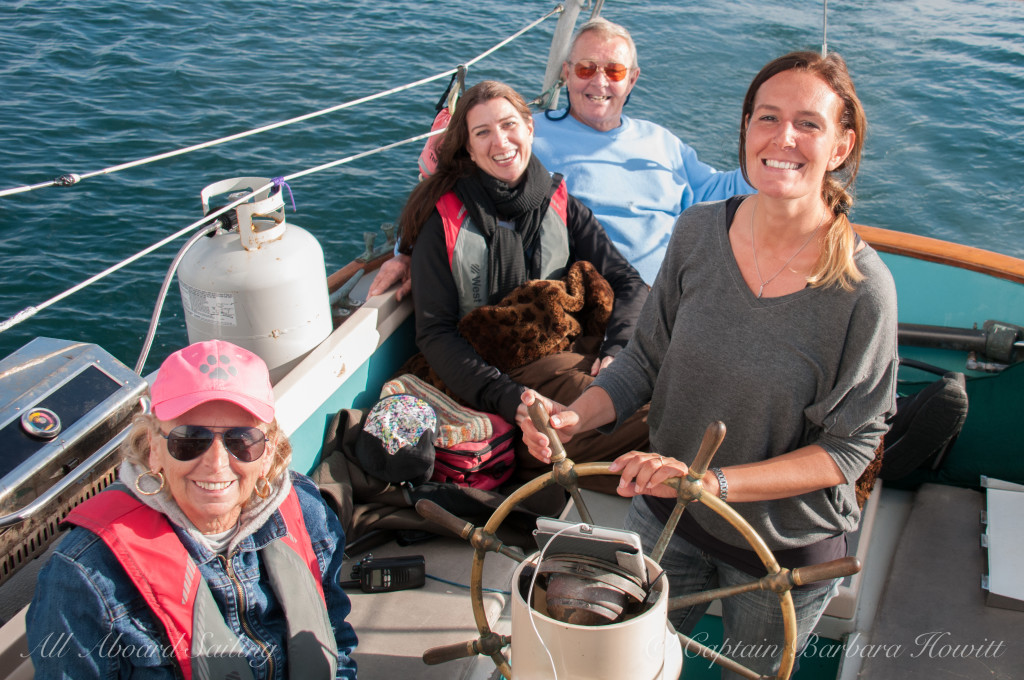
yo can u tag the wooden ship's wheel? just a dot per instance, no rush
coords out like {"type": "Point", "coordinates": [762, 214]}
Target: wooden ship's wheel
{"type": "Point", "coordinates": [690, 489]}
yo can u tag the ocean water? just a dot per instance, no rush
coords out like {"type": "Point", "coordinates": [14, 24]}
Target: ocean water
{"type": "Point", "coordinates": [87, 84]}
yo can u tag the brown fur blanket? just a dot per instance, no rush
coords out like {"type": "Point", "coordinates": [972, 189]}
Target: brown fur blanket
{"type": "Point", "coordinates": [540, 318]}
{"type": "Point", "coordinates": [537, 319]}
{"type": "Point", "coordinates": [866, 482]}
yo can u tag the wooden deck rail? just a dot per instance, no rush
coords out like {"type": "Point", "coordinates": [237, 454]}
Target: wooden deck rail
{"type": "Point", "coordinates": [943, 252]}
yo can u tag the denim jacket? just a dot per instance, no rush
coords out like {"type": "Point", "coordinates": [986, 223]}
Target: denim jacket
{"type": "Point", "coordinates": [87, 619]}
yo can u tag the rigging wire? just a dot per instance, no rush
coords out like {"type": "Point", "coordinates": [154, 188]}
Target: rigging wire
{"type": "Point", "coordinates": [32, 310]}
{"type": "Point", "coordinates": [71, 178]}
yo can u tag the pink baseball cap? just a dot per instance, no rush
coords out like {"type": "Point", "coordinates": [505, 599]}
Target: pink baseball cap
{"type": "Point", "coordinates": [213, 370]}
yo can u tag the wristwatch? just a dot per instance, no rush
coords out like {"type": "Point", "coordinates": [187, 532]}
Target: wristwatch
{"type": "Point", "coordinates": [723, 484]}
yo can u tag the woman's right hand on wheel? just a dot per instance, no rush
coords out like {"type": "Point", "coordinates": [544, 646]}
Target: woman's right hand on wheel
{"type": "Point", "coordinates": [563, 421]}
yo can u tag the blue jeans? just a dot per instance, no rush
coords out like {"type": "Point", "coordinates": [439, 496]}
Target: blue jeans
{"type": "Point", "coordinates": [753, 631]}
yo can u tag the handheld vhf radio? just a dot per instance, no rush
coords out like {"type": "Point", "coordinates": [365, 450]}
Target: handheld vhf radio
{"type": "Point", "coordinates": [384, 575]}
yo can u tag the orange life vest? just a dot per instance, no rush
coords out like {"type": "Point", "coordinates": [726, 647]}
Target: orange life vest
{"type": "Point", "coordinates": [161, 568]}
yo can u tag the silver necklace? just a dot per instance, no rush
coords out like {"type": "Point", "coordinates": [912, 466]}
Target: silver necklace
{"type": "Point", "coordinates": [753, 249]}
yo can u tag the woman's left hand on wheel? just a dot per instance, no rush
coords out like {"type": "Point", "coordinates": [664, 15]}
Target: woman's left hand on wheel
{"type": "Point", "coordinates": [644, 474]}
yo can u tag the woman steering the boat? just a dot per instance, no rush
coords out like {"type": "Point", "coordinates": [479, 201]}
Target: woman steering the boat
{"type": "Point", "coordinates": [209, 558]}
{"type": "Point", "coordinates": [508, 220]}
{"type": "Point", "coordinates": [771, 315]}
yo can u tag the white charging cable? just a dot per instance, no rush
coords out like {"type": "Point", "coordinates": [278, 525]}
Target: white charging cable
{"type": "Point", "coordinates": [533, 582]}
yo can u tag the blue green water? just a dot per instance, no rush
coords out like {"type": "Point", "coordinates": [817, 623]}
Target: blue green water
{"type": "Point", "coordinates": [88, 84]}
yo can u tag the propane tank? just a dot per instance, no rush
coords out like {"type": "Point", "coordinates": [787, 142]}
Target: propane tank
{"type": "Point", "coordinates": [260, 283]}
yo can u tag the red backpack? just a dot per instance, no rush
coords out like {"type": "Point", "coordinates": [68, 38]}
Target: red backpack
{"type": "Point", "coordinates": [481, 464]}
{"type": "Point", "coordinates": [471, 448]}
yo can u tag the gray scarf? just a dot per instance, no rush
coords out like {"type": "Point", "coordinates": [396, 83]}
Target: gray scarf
{"type": "Point", "coordinates": [254, 515]}
{"type": "Point", "coordinates": [489, 200]}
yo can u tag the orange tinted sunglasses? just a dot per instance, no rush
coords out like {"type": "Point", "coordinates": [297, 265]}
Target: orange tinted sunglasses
{"type": "Point", "coordinates": [588, 69]}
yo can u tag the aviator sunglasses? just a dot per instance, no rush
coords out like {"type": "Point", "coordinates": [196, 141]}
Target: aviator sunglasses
{"type": "Point", "coordinates": [588, 69]}
{"type": "Point", "coordinates": [188, 442]}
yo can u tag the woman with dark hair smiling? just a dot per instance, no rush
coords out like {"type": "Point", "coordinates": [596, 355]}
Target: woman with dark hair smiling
{"type": "Point", "coordinates": [489, 219]}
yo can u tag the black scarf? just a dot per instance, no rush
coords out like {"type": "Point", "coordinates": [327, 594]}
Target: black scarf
{"type": "Point", "coordinates": [488, 200]}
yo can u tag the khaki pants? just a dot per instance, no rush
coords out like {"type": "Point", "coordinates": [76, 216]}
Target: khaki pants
{"type": "Point", "coordinates": [563, 377]}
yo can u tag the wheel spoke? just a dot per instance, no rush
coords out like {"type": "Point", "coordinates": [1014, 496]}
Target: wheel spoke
{"type": "Point", "coordinates": [562, 466]}
{"type": "Point", "coordinates": [667, 531]}
{"type": "Point", "coordinates": [690, 488]}
{"type": "Point", "coordinates": [487, 645]}
{"type": "Point", "coordinates": [725, 662]}
{"type": "Point", "coordinates": [477, 537]}
{"type": "Point", "coordinates": [779, 582]}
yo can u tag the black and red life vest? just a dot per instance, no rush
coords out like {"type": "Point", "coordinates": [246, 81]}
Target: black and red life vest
{"type": "Point", "coordinates": [467, 247]}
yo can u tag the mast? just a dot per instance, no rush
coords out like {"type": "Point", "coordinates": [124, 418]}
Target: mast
{"type": "Point", "coordinates": [560, 43]}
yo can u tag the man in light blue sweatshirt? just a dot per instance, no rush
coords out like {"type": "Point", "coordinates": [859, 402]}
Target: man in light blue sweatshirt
{"type": "Point", "coordinates": [636, 176]}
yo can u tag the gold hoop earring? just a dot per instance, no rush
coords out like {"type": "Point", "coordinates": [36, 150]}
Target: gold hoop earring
{"type": "Point", "coordinates": [263, 491]}
{"type": "Point", "coordinates": [149, 473]}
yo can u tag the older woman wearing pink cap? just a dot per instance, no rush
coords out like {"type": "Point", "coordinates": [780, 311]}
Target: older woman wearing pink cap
{"type": "Point", "coordinates": [208, 558]}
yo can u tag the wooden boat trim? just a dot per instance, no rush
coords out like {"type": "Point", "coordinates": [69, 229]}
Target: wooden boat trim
{"type": "Point", "coordinates": [884, 240]}
{"type": "Point", "coordinates": [341, 277]}
{"type": "Point", "coordinates": [943, 252]}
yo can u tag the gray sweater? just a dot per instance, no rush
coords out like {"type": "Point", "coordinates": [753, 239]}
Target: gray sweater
{"type": "Point", "coordinates": [814, 367]}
